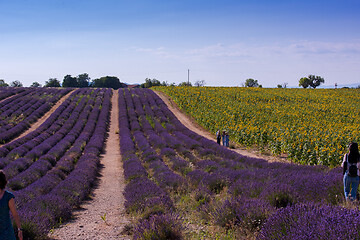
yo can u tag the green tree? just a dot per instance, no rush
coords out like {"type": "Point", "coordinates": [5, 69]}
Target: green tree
{"type": "Point", "coordinates": [83, 80]}
{"type": "Point", "coordinates": [279, 86]}
{"type": "Point", "coordinates": [185, 84]}
{"type": "Point", "coordinates": [70, 81]}
{"type": "Point", "coordinates": [251, 83]}
{"type": "Point", "coordinates": [16, 83]}
{"type": "Point", "coordinates": [312, 81]}
{"type": "Point", "coordinates": [35, 84]}
{"type": "Point", "coordinates": [152, 82]}
{"type": "Point", "coordinates": [304, 82]}
{"type": "Point", "coordinates": [53, 82]}
{"type": "Point", "coordinates": [80, 81]}
{"type": "Point", "coordinates": [107, 82]}
{"type": "Point", "coordinates": [315, 81]}
{"type": "Point", "coordinates": [3, 83]}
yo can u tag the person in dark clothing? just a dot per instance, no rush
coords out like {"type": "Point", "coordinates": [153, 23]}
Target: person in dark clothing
{"type": "Point", "coordinates": [218, 137]}
{"type": "Point", "coordinates": [351, 165]}
{"type": "Point", "coordinates": [223, 135]}
{"type": "Point", "coordinates": [7, 205]}
{"type": "Point", "coordinates": [226, 139]}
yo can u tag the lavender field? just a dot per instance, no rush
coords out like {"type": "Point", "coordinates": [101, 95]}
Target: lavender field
{"type": "Point", "coordinates": [52, 169]}
{"type": "Point", "coordinates": [20, 111]}
{"type": "Point", "coordinates": [179, 185]}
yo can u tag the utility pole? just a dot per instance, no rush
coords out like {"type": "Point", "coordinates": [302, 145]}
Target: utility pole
{"type": "Point", "coordinates": [188, 77]}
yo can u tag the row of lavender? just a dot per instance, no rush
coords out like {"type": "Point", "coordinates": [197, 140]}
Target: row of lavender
{"type": "Point", "coordinates": [58, 162]}
{"type": "Point", "coordinates": [143, 196]}
{"type": "Point", "coordinates": [6, 92]}
{"type": "Point", "coordinates": [18, 112]}
{"type": "Point", "coordinates": [164, 160]}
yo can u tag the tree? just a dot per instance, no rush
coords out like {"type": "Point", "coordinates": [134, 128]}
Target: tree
{"type": "Point", "coordinates": [107, 82]}
{"type": "Point", "coordinates": [3, 83]}
{"type": "Point", "coordinates": [185, 84]}
{"type": "Point", "coordinates": [53, 82]}
{"type": "Point", "coordinates": [251, 83]}
{"type": "Point", "coordinates": [312, 81]}
{"type": "Point", "coordinates": [284, 85]}
{"type": "Point", "coordinates": [83, 80]}
{"type": "Point", "coordinates": [70, 81]}
{"type": "Point", "coordinates": [35, 84]}
{"type": "Point", "coordinates": [152, 83]}
{"type": "Point", "coordinates": [16, 83]}
{"type": "Point", "coordinates": [304, 82]}
{"type": "Point", "coordinates": [200, 83]}
{"type": "Point", "coordinates": [80, 81]}
{"type": "Point", "coordinates": [315, 81]}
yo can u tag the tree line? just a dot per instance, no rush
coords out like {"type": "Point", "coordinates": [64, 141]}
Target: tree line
{"type": "Point", "coordinates": [83, 80]}
{"type": "Point", "coordinates": [310, 81]}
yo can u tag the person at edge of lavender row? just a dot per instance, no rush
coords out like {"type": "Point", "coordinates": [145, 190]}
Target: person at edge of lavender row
{"type": "Point", "coordinates": [351, 166]}
{"type": "Point", "coordinates": [7, 203]}
{"type": "Point", "coordinates": [225, 138]}
{"type": "Point", "coordinates": [218, 136]}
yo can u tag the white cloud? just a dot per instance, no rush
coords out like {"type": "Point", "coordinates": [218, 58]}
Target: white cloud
{"type": "Point", "coordinates": [242, 50]}
{"type": "Point", "coordinates": [221, 50]}
{"type": "Point", "coordinates": [159, 51]}
{"type": "Point", "coordinates": [319, 48]}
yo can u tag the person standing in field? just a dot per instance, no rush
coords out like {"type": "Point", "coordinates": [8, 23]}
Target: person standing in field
{"type": "Point", "coordinates": [7, 204]}
{"type": "Point", "coordinates": [218, 136]}
{"type": "Point", "coordinates": [223, 138]}
{"type": "Point", "coordinates": [226, 139]}
{"type": "Point", "coordinates": [351, 165]}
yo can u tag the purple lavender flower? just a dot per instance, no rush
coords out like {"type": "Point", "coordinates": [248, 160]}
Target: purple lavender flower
{"type": "Point", "coordinates": [161, 227]}
{"type": "Point", "coordinates": [312, 221]}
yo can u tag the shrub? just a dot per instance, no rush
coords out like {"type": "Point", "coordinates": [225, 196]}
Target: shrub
{"type": "Point", "coordinates": [311, 221]}
{"type": "Point", "coordinates": [159, 227]}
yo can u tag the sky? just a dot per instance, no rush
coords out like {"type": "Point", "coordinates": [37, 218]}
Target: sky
{"type": "Point", "coordinates": [223, 42]}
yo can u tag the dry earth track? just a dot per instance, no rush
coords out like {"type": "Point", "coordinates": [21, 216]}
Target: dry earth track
{"type": "Point", "coordinates": [103, 216]}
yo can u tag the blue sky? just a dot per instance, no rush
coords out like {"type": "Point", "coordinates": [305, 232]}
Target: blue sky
{"type": "Point", "coordinates": [222, 42]}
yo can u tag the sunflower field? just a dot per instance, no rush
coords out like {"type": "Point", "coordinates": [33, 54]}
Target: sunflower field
{"type": "Point", "coordinates": [310, 126]}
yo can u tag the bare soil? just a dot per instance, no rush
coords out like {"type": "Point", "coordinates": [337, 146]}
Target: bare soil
{"type": "Point", "coordinates": [190, 123]}
{"type": "Point", "coordinates": [103, 215]}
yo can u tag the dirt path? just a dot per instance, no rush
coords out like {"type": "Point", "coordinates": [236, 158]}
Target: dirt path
{"type": "Point", "coordinates": [190, 123]}
{"type": "Point", "coordinates": [107, 200]}
{"type": "Point", "coordinates": [7, 98]}
{"type": "Point", "coordinates": [41, 120]}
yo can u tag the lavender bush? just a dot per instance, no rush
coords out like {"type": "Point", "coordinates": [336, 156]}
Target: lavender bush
{"type": "Point", "coordinates": [161, 227]}
{"type": "Point", "coordinates": [312, 221]}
